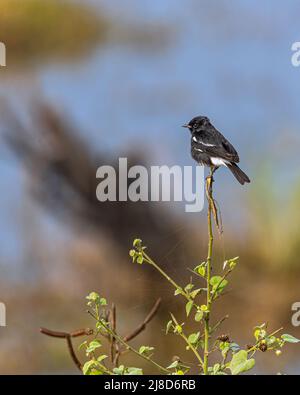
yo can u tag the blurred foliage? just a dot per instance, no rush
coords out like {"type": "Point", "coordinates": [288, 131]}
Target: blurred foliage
{"type": "Point", "coordinates": [275, 220]}
{"type": "Point", "coordinates": [33, 29]}
{"type": "Point", "coordinates": [61, 167]}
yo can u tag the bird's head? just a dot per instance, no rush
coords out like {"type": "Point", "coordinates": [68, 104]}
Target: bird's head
{"type": "Point", "coordinates": [196, 124]}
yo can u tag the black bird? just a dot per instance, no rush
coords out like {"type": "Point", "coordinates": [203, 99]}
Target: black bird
{"type": "Point", "coordinates": [210, 148]}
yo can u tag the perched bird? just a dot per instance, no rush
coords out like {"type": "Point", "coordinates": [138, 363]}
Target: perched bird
{"type": "Point", "coordinates": [210, 148]}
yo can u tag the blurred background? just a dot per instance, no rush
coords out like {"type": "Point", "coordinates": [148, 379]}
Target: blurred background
{"type": "Point", "coordinates": [89, 81]}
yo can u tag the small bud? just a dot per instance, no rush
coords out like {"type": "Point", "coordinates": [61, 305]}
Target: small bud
{"type": "Point", "coordinates": [137, 243]}
{"type": "Point", "coordinates": [263, 347]}
{"type": "Point", "coordinates": [224, 338]}
{"type": "Point", "coordinates": [132, 253]}
{"type": "Point", "coordinates": [278, 353]}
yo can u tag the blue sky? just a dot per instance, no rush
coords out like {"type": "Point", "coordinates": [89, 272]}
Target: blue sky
{"type": "Point", "coordinates": [229, 60]}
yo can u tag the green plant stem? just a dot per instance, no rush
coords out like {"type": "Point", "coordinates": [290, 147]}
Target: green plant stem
{"type": "Point", "coordinates": [209, 182]}
{"type": "Point", "coordinates": [219, 283]}
{"type": "Point", "coordinates": [105, 369]}
{"type": "Point", "coordinates": [254, 348]}
{"type": "Point", "coordinates": [164, 274]}
{"type": "Point", "coordinates": [188, 343]}
{"type": "Point", "coordinates": [126, 345]}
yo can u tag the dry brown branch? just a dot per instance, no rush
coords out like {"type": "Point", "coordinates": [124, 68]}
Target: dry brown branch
{"type": "Point", "coordinates": [115, 349]}
{"type": "Point", "coordinates": [136, 331]}
{"type": "Point", "coordinates": [113, 324]}
{"type": "Point", "coordinates": [146, 321]}
{"type": "Point", "coordinates": [212, 202]}
{"type": "Point", "coordinates": [68, 337]}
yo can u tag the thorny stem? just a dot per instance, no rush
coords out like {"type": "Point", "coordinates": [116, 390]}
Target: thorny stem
{"type": "Point", "coordinates": [209, 182]}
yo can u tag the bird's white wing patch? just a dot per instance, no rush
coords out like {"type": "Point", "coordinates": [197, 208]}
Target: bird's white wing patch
{"type": "Point", "coordinates": [197, 140]}
{"type": "Point", "coordinates": [198, 149]}
{"type": "Point", "coordinates": [219, 162]}
{"type": "Point", "coordinates": [207, 145]}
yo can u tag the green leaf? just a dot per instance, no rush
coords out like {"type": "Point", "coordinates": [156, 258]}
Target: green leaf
{"type": "Point", "coordinates": [93, 346]}
{"type": "Point", "coordinates": [263, 325]}
{"type": "Point", "coordinates": [119, 370]}
{"type": "Point", "coordinates": [289, 338]}
{"type": "Point", "coordinates": [168, 327]}
{"type": "Point", "coordinates": [83, 345]}
{"type": "Point", "coordinates": [95, 373]}
{"type": "Point", "coordinates": [87, 367]}
{"type": "Point", "coordinates": [189, 287]}
{"type": "Point", "coordinates": [134, 371]}
{"type": "Point", "coordinates": [231, 262]}
{"type": "Point", "coordinates": [224, 349]}
{"type": "Point", "coordinates": [193, 338]}
{"type": "Point", "coordinates": [198, 316]}
{"type": "Point", "coordinates": [188, 307]}
{"type": "Point", "coordinates": [140, 259]}
{"type": "Point", "coordinates": [173, 365]}
{"type": "Point", "coordinates": [93, 297]}
{"type": "Point", "coordinates": [194, 293]}
{"type": "Point", "coordinates": [132, 253]}
{"type": "Point", "coordinates": [216, 368]}
{"type": "Point", "coordinates": [103, 302]}
{"type": "Point", "coordinates": [240, 363]}
{"type": "Point", "coordinates": [178, 291]}
{"type": "Point", "coordinates": [101, 358]}
{"type": "Point", "coordinates": [260, 334]}
{"type": "Point", "coordinates": [256, 333]}
{"type": "Point", "coordinates": [218, 284]}
{"type": "Point", "coordinates": [200, 269]}
{"type": "Point", "coordinates": [137, 243]}
{"type": "Point", "coordinates": [145, 350]}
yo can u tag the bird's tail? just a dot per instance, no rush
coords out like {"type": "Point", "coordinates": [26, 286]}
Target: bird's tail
{"type": "Point", "coordinates": [238, 173]}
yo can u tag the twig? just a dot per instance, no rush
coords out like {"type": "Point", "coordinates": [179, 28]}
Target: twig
{"type": "Point", "coordinates": [146, 321]}
{"type": "Point", "coordinates": [63, 335]}
{"type": "Point", "coordinates": [220, 282]}
{"type": "Point", "coordinates": [68, 337]}
{"type": "Point", "coordinates": [253, 348]}
{"type": "Point", "coordinates": [212, 202]}
{"type": "Point", "coordinates": [190, 345]}
{"type": "Point", "coordinates": [72, 353]}
{"type": "Point", "coordinates": [138, 330]}
{"type": "Point", "coordinates": [112, 319]}
{"type": "Point", "coordinates": [132, 349]}
{"type": "Point", "coordinates": [216, 326]}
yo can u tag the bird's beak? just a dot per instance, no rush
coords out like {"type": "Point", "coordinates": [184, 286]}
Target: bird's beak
{"type": "Point", "coordinates": [186, 125]}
